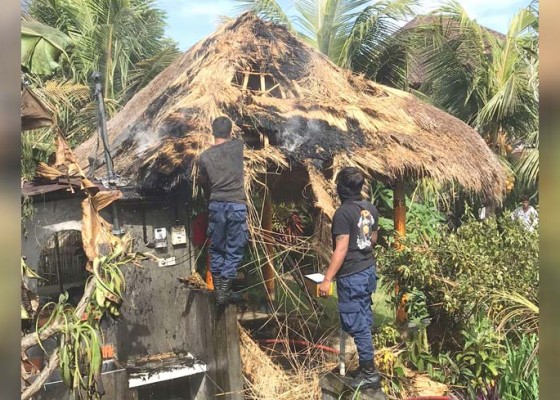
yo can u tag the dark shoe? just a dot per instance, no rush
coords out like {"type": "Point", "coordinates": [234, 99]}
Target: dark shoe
{"type": "Point", "coordinates": [224, 291]}
{"type": "Point", "coordinates": [367, 377]}
{"type": "Point", "coordinates": [217, 281]}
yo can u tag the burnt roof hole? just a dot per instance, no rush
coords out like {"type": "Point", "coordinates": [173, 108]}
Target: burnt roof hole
{"type": "Point", "coordinates": [258, 83]}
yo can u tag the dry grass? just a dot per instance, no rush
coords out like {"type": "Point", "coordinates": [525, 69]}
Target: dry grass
{"type": "Point", "coordinates": [267, 381]}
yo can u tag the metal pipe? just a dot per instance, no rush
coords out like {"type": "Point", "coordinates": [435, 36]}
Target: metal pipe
{"type": "Point", "coordinates": [342, 354]}
{"type": "Point", "coordinates": [57, 264]}
{"type": "Point", "coordinates": [96, 76]}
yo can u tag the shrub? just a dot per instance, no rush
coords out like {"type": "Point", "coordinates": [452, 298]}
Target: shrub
{"type": "Point", "coordinates": [458, 271]}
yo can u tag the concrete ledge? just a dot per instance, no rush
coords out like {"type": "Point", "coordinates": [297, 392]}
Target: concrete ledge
{"type": "Point", "coordinates": [334, 387]}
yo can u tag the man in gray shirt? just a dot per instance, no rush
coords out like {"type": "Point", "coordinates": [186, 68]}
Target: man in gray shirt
{"type": "Point", "coordinates": [221, 174]}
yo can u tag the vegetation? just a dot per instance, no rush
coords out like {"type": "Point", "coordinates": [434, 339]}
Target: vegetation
{"type": "Point", "coordinates": [123, 40]}
{"type": "Point", "coordinates": [491, 84]}
{"type": "Point", "coordinates": [466, 284]}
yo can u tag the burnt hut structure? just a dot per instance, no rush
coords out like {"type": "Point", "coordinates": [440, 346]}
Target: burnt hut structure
{"type": "Point", "coordinates": [302, 118]}
{"type": "Point", "coordinates": [295, 109]}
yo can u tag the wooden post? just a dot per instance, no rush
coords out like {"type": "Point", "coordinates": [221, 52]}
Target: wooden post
{"type": "Point", "coordinates": [263, 84]}
{"type": "Point", "coordinates": [399, 221]}
{"type": "Point", "coordinates": [268, 268]}
{"type": "Point", "coordinates": [399, 207]}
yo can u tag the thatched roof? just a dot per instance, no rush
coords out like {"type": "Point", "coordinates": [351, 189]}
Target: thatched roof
{"type": "Point", "coordinates": [315, 117]}
{"type": "Point", "coordinates": [451, 30]}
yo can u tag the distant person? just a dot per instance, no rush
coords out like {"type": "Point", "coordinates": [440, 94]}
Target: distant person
{"type": "Point", "coordinates": [526, 214]}
{"type": "Point", "coordinates": [354, 232]}
{"type": "Point", "coordinates": [221, 175]}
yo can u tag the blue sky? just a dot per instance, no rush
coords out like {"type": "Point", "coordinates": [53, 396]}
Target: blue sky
{"type": "Point", "coordinates": [191, 20]}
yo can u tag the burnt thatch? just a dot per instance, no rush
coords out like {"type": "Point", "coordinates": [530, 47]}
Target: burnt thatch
{"type": "Point", "coordinates": [295, 109]}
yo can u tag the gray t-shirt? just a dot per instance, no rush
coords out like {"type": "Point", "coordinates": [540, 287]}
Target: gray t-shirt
{"type": "Point", "coordinates": [221, 166]}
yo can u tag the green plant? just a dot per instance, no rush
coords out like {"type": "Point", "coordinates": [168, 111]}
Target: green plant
{"type": "Point", "coordinates": [386, 336]}
{"type": "Point", "coordinates": [481, 359]}
{"type": "Point", "coordinates": [77, 329]}
{"type": "Point", "coordinates": [520, 378]}
{"type": "Point", "coordinates": [423, 221]}
{"type": "Point", "coordinates": [457, 271]}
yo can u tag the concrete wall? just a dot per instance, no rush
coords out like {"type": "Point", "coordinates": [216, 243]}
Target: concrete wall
{"type": "Point", "coordinates": [138, 218]}
{"type": "Point", "coordinates": [159, 313]}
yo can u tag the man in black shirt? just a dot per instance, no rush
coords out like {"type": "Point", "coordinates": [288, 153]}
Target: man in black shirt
{"type": "Point", "coordinates": [221, 174]}
{"type": "Point", "coordinates": [354, 231]}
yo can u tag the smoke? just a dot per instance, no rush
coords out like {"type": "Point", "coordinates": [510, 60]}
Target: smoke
{"type": "Point", "coordinates": [299, 132]}
{"type": "Point", "coordinates": [145, 139]}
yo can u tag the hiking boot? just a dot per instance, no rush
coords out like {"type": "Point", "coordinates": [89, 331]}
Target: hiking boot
{"type": "Point", "coordinates": [367, 377]}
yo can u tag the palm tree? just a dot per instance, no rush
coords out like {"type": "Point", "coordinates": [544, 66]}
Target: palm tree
{"type": "Point", "coordinates": [122, 39]}
{"type": "Point", "coordinates": [355, 34]}
{"type": "Point", "coordinates": [489, 83]}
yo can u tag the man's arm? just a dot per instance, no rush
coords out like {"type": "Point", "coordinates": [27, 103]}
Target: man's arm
{"type": "Point", "coordinates": [340, 250]}
{"type": "Point", "coordinates": [202, 180]}
{"type": "Point", "coordinates": [373, 238]}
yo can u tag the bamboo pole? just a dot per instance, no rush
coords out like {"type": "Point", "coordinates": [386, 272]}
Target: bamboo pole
{"type": "Point", "coordinates": [399, 221]}
{"type": "Point", "coordinates": [268, 268]}
{"type": "Point", "coordinates": [263, 85]}
{"type": "Point", "coordinates": [399, 207]}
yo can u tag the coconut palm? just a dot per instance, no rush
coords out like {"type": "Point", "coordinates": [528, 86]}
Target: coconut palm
{"type": "Point", "coordinates": [489, 83]}
{"type": "Point", "coordinates": [122, 39]}
{"type": "Point", "coordinates": [355, 34]}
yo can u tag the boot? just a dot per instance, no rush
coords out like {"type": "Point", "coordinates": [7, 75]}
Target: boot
{"type": "Point", "coordinates": [367, 378]}
{"type": "Point", "coordinates": [224, 291]}
{"type": "Point", "coordinates": [217, 281]}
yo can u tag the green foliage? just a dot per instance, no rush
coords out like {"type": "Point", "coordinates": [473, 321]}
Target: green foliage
{"type": "Point", "coordinates": [41, 47]}
{"type": "Point", "coordinates": [124, 40]}
{"type": "Point", "coordinates": [386, 336]}
{"type": "Point", "coordinates": [457, 271]}
{"type": "Point", "coordinates": [423, 221]}
{"type": "Point", "coordinates": [481, 359]}
{"type": "Point", "coordinates": [79, 335]}
{"type": "Point", "coordinates": [487, 81]}
{"type": "Point", "coordinates": [520, 379]}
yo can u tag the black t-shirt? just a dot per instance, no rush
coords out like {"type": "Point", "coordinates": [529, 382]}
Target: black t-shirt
{"type": "Point", "coordinates": [357, 219]}
{"type": "Point", "coordinates": [222, 167]}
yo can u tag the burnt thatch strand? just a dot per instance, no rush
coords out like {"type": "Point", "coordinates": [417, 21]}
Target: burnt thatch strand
{"type": "Point", "coordinates": [290, 98]}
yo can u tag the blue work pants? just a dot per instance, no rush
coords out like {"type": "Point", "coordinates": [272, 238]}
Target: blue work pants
{"type": "Point", "coordinates": [354, 306]}
{"type": "Point", "coordinates": [228, 234]}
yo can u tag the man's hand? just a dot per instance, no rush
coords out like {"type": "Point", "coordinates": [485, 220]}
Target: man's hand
{"type": "Point", "coordinates": [325, 288]}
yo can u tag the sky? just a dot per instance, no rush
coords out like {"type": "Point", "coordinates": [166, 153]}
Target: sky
{"type": "Point", "coordinates": [191, 20]}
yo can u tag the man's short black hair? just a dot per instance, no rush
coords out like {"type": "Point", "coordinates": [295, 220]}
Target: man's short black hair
{"type": "Point", "coordinates": [351, 179]}
{"type": "Point", "coordinates": [221, 128]}
{"type": "Point", "coordinates": [523, 198]}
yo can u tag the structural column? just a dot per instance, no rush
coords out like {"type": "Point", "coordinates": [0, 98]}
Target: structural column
{"type": "Point", "coordinates": [399, 209]}
{"type": "Point", "coordinates": [399, 221]}
{"type": "Point", "coordinates": [268, 268]}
